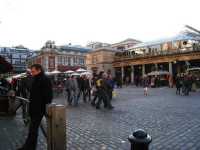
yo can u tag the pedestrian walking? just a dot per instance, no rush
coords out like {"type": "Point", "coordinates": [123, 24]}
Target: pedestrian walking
{"type": "Point", "coordinates": [103, 92]}
{"type": "Point", "coordinates": [81, 91]}
{"type": "Point", "coordinates": [86, 88]}
{"type": "Point", "coordinates": [145, 85]}
{"type": "Point", "coordinates": [68, 88]}
{"type": "Point", "coordinates": [40, 94]}
{"type": "Point", "coordinates": [178, 85]}
{"type": "Point", "coordinates": [95, 90]}
{"type": "Point", "coordinates": [75, 91]}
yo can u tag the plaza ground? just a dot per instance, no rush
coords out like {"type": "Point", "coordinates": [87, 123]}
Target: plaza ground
{"type": "Point", "coordinates": [172, 121]}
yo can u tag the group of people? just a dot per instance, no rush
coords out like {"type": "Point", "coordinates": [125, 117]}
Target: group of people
{"type": "Point", "coordinates": [76, 87]}
{"type": "Point", "coordinates": [94, 90]}
{"type": "Point", "coordinates": [184, 84]}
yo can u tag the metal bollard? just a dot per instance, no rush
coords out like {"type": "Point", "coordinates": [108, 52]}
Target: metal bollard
{"type": "Point", "coordinates": [140, 140]}
{"type": "Point", "coordinates": [56, 127]}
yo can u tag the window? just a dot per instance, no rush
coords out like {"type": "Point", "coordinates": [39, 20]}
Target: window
{"type": "Point", "coordinates": [81, 61]}
{"type": "Point", "coordinates": [69, 61]}
{"type": "Point", "coordinates": [75, 60]}
{"type": "Point", "coordinates": [66, 61]}
{"type": "Point", "coordinates": [59, 60]}
{"type": "Point", "coordinates": [175, 45]}
{"type": "Point", "coordinates": [94, 59]}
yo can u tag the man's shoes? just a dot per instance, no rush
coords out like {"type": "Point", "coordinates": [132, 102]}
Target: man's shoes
{"type": "Point", "coordinates": [93, 104]}
{"type": "Point", "coordinates": [97, 107]}
{"type": "Point", "coordinates": [21, 148]}
{"type": "Point", "coordinates": [110, 107]}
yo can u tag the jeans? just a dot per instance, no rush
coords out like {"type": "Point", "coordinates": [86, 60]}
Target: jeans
{"type": "Point", "coordinates": [75, 97]}
{"type": "Point", "coordinates": [69, 98]}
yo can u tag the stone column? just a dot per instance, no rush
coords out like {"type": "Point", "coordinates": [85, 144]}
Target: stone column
{"type": "Point", "coordinates": [122, 73]}
{"type": "Point", "coordinates": [170, 68]}
{"type": "Point", "coordinates": [56, 62]}
{"type": "Point", "coordinates": [132, 74]}
{"type": "Point", "coordinates": [143, 70]}
{"type": "Point", "coordinates": [156, 66]}
{"type": "Point", "coordinates": [47, 63]}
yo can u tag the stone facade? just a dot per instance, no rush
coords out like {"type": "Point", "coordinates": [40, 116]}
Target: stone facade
{"type": "Point", "coordinates": [60, 58]}
{"type": "Point", "coordinates": [100, 60]}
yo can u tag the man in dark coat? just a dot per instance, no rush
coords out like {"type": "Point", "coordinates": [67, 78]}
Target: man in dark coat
{"type": "Point", "coordinates": [40, 94]}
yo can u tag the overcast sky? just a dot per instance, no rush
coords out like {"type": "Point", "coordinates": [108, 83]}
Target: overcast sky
{"type": "Point", "coordinates": [32, 22]}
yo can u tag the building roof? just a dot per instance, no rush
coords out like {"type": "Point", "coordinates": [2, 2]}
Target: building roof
{"type": "Point", "coordinates": [74, 48]}
{"type": "Point", "coordinates": [126, 41]}
{"type": "Point", "coordinates": [109, 49]}
{"type": "Point", "coordinates": [179, 37]}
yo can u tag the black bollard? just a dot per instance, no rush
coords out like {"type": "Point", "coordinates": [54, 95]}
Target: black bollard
{"type": "Point", "coordinates": [140, 140]}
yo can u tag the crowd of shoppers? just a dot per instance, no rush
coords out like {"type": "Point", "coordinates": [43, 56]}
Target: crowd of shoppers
{"type": "Point", "coordinates": [99, 87]}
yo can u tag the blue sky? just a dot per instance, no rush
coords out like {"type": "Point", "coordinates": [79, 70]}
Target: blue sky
{"type": "Point", "coordinates": [32, 22]}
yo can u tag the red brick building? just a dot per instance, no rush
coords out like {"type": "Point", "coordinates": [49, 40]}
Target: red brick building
{"type": "Point", "coordinates": [61, 58]}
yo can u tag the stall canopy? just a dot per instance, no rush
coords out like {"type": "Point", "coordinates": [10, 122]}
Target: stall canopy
{"type": "Point", "coordinates": [86, 73]}
{"type": "Point", "coordinates": [69, 72]}
{"type": "Point", "coordinates": [157, 73]}
{"type": "Point", "coordinates": [81, 70]}
{"type": "Point", "coordinates": [75, 74]}
{"type": "Point", "coordinates": [55, 72]}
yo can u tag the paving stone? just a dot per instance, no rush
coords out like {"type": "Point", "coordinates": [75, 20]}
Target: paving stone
{"type": "Point", "coordinates": [172, 121]}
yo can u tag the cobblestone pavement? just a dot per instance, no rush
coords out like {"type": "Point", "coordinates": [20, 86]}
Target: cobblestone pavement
{"type": "Point", "coordinates": [172, 121]}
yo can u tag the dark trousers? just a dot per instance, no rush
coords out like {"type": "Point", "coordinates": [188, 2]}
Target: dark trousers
{"type": "Point", "coordinates": [82, 91]}
{"type": "Point", "coordinates": [69, 97]}
{"type": "Point", "coordinates": [31, 141]}
{"type": "Point", "coordinates": [87, 93]}
{"type": "Point", "coordinates": [95, 98]}
{"type": "Point", "coordinates": [103, 96]}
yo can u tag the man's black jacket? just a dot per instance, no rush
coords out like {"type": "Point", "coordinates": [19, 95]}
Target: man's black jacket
{"type": "Point", "coordinates": [41, 93]}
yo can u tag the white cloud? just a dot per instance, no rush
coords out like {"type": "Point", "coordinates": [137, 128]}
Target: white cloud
{"type": "Point", "coordinates": [32, 22]}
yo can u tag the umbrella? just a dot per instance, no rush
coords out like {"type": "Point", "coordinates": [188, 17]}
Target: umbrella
{"type": "Point", "coordinates": [55, 72]}
{"type": "Point", "coordinates": [81, 70]}
{"type": "Point", "coordinates": [86, 73]}
{"type": "Point", "coordinates": [69, 71]}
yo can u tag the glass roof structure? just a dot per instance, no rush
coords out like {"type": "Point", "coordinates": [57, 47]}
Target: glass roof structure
{"type": "Point", "coordinates": [180, 37]}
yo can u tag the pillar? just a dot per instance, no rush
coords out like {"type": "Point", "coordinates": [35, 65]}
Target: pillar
{"type": "Point", "coordinates": [143, 70]}
{"type": "Point", "coordinates": [122, 73]}
{"type": "Point", "coordinates": [56, 62]}
{"type": "Point", "coordinates": [132, 74]}
{"type": "Point", "coordinates": [156, 67]}
{"type": "Point", "coordinates": [170, 68]}
{"type": "Point", "coordinates": [47, 63]}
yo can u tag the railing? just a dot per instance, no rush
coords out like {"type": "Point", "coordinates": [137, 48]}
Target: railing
{"type": "Point", "coordinates": [53, 129]}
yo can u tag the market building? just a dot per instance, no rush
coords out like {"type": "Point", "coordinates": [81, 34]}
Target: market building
{"type": "Point", "coordinates": [125, 45]}
{"type": "Point", "coordinates": [61, 58]}
{"type": "Point", "coordinates": [173, 55]}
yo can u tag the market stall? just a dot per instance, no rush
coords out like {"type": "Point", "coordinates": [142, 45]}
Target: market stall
{"type": "Point", "coordinates": [159, 78]}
